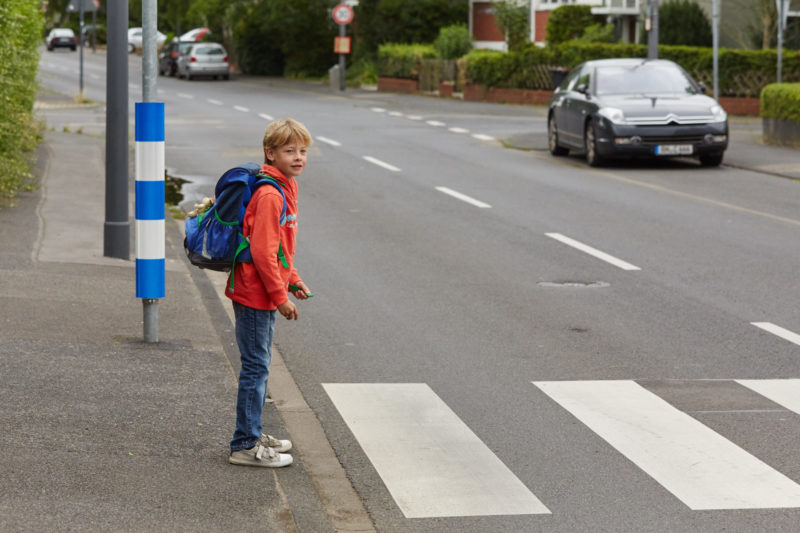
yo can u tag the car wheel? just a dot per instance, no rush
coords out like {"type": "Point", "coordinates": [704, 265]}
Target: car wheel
{"type": "Point", "coordinates": [711, 160]}
{"type": "Point", "coordinates": [226, 77]}
{"type": "Point", "coordinates": [189, 77]}
{"type": "Point", "coordinates": [552, 138]}
{"type": "Point", "coordinates": [590, 145]}
{"type": "Point", "coordinates": [173, 70]}
{"type": "Point", "coordinates": [131, 48]}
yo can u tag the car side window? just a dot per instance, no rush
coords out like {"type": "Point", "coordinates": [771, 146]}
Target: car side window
{"type": "Point", "coordinates": [569, 81]}
{"type": "Point", "coordinates": [584, 79]}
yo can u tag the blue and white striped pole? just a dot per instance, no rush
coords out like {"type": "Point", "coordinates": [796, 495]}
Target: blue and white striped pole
{"type": "Point", "coordinates": [150, 212]}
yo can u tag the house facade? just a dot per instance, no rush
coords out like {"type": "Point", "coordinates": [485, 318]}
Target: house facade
{"type": "Point", "coordinates": [738, 20]}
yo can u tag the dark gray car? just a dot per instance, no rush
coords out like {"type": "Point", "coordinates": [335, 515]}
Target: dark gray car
{"type": "Point", "coordinates": [635, 107]}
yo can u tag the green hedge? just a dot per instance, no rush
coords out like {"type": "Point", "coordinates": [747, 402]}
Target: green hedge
{"type": "Point", "coordinates": [781, 101]}
{"type": "Point", "coordinates": [402, 60]}
{"type": "Point", "coordinates": [741, 72]}
{"type": "Point", "coordinates": [21, 30]}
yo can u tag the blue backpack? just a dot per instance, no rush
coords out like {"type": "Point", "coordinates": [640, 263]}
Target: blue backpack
{"type": "Point", "coordinates": [214, 238]}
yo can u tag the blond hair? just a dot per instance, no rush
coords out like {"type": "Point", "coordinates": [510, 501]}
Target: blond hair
{"type": "Point", "coordinates": [283, 132]}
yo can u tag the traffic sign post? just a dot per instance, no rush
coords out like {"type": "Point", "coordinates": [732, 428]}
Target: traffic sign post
{"type": "Point", "coordinates": [342, 15]}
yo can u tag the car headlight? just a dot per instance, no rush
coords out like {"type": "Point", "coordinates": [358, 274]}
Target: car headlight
{"type": "Point", "coordinates": [613, 114]}
{"type": "Point", "coordinates": [719, 114]}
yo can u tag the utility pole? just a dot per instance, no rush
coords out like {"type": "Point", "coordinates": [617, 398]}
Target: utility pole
{"type": "Point", "coordinates": [715, 41]}
{"type": "Point", "coordinates": [116, 230]}
{"type": "Point", "coordinates": [150, 247]}
{"type": "Point", "coordinates": [651, 26]}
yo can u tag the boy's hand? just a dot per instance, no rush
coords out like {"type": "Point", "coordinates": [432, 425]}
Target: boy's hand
{"type": "Point", "coordinates": [288, 310]}
{"type": "Point", "coordinates": [301, 292]}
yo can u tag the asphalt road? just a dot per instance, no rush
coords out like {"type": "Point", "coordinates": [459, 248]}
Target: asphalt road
{"type": "Point", "coordinates": [501, 340]}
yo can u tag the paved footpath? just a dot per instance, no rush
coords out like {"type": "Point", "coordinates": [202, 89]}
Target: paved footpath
{"type": "Point", "coordinates": [104, 432]}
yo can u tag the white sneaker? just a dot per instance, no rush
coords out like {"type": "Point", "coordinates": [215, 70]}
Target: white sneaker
{"type": "Point", "coordinates": [280, 445]}
{"type": "Point", "coordinates": [258, 455]}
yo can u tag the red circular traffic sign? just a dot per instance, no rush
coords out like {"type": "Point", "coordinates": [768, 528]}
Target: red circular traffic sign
{"type": "Point", "coordinates": [343, 14]}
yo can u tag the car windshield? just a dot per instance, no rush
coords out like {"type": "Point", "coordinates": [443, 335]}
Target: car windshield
{"type": "Point", "coordinates": [643, 79]}
{"type": "Point", "coordinates": [63, 33]}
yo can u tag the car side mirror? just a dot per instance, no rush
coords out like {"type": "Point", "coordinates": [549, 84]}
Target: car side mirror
{"type": "Point", "coordinates": [582, 88]}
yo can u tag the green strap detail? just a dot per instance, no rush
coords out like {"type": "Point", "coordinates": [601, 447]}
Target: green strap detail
{"type": "Point", "coordinates": [281, 257]}
{"type": "Point", "coordinates": [242, 245]}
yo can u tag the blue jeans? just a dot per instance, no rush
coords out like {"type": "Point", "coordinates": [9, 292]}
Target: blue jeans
{"type": "Point", "coordinates": [254, 330]}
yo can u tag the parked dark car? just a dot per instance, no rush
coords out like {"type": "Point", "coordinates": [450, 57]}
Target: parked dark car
{"type": "Point", "coordinates": [168, 57]}
{"type": "Point", "coordinates": [635, 107]}
{"type": "Point", "coordinates": [61, 38]}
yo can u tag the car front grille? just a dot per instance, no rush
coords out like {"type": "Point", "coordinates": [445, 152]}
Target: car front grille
{"type": "Point", "coordinates": [672, 139]}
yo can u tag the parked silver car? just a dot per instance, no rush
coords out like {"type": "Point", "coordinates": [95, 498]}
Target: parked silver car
{"type": "Point", "coordinates": [204, 59]}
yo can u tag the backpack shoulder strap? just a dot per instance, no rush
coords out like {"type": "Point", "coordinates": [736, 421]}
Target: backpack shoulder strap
{"type": "Point", "coordinates": [263, 179]}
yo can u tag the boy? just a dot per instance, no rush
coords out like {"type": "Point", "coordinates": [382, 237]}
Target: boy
{"type": "Point", "coordinates": [261, 289]}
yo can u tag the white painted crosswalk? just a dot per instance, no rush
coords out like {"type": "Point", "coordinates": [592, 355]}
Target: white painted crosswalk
{"type": "Point", "coordinates": [431, 462]}
{"type": "Point", "coordinates": [434, 465]}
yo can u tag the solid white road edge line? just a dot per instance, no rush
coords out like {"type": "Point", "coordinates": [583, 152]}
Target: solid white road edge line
{"type": "Point", "coordinates": [779, 331]}
{"type": "Point", "coordinates": [380, 163]}
{"type": "Point", "coordinates": [463, 197]}
{"type": "Point", "coordinates": [593, 252]}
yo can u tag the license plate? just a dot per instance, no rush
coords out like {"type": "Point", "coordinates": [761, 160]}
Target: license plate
{"type": "Point", "coordinates": [674, 149]}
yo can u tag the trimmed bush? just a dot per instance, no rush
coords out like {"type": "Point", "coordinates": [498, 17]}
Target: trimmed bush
{"type": "Point", "coordinates": [682, 22]}
{"type": "Point", "coordinates": [21, 29]}
{"type": "Point", "coordinates": [741, 72]}
{"type": "Point", "coordinates": [402, 60]}
{"type": "Point", "coordinates": [568, 22]}
{"type": "Point", "coordinates": [453, 42]}
{"type": "Point", "coordinates": [781, 101]}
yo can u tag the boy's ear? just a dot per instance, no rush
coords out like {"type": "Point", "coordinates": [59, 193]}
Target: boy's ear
{"type": "Point", "coordinates": [267, 154]}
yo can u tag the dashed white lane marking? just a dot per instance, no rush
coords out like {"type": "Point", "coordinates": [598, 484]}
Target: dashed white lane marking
{"type": "Point", "coordinates": [458, 130]}
{"type": "Point", "coordinates": [329, 141]}
{"type": "Point", "coordinates": [413, 117]}
{"type": "Point", "coordinates": [94, 76]}
{"type": "Point", "coordinates": [395, 114]}
{"type": "Point", "coordinates": [265, 116]}
{"type": "Point", "coordinates": [431, 462]}
{"type": "Point", "coordinates": [378, 109]}
{"type": "Point", "coordinates": [242, 109]}
{"type": "Point", "coordinates": [699, 466]}
{"type": "Point", "coordinates": [380, 163]}
{"type": "Point", "coordinates": [779, 331]}
{"type": "Point", "coordinates": [435, 123]}
{"type": "Point", "coordinates": [187, 96]}
{"type": "Point", "coordinates": [213, 101]}
{"type": "Point", "coordinates": [593, 252]}
{"type": "Point", "coordinates": [463, 197]}
{"type": "Point", "coordinates": [482, 137]}
{"type": "Point", "coordinates": [785, 392]}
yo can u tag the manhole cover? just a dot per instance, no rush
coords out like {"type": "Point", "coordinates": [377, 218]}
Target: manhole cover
{"type": "Point", "coordinates": [574, 284]}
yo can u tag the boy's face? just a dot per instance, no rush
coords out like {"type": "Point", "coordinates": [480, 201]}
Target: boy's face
{"type": "Point", "coordinates": [289, 158]}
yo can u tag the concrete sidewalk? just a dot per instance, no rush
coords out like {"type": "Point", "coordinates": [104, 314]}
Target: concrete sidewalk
{"type": "Point", "coordinates": [104, 432]}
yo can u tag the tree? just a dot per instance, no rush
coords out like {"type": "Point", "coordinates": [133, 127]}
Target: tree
{"type": "Point", "coordinates": [683, 22]}
{"type": "Point", "coordinates": [568, 22]}
{"type": "Point", "coordinates": [513, 20]}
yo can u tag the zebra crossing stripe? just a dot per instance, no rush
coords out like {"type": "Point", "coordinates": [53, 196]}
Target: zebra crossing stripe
{"type": "Point", "coordinates": [431, 462]}
{"type": "Point", "coordinates": [699, 466]}
{"type": "Point", "coordinates": [784, 392]}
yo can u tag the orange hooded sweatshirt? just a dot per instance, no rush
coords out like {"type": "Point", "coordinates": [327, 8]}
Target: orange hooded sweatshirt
{"type": "Point", "coordinates": [264, 283]}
